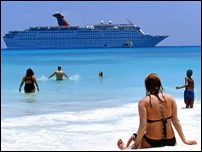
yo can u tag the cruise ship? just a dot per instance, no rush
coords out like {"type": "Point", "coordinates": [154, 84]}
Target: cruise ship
{"type": "Point", "coordinates": [65, 36]}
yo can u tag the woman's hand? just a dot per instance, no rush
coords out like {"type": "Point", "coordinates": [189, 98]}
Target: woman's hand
{"type": "Point", "coordinates": [190, 142]}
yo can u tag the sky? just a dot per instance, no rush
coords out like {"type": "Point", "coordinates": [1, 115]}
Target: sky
{"type": "Point", "coordinates": [181, 20]}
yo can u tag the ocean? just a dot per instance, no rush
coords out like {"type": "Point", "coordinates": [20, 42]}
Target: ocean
{"type": "Point", "coordinates": [87, 112]}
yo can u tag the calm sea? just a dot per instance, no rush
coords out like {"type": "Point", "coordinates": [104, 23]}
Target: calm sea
{"type": "Point", "coordinates": [87, 112]}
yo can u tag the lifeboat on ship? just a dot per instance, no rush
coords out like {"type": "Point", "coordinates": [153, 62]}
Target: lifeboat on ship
{"type": "Point", "coordinates": [128, 44]}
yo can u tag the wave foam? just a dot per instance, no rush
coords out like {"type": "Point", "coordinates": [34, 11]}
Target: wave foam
{"type": "Point", "coordinates": [42, 78]}
{"type": "Point", "coordinates": [75, 77]}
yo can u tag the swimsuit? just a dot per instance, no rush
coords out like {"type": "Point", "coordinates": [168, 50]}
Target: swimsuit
{"type": "Point", "coordinates": [164, 123]}
{"type": "Point", "coordinates": [161, 142]}
{"type": "Point", "coordinates": [189, 97]}
{"type": "Point", "coordinates": [30, 86]}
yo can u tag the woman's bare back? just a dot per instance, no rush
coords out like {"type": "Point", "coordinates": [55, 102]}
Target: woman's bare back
{"type": "Point", "coordinates": [156, 110]}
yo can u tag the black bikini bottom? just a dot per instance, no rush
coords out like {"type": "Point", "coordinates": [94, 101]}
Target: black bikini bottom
{"type": "Point", "coordinates": [160, 143]}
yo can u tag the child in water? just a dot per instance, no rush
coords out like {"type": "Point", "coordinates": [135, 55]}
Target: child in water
{"type": "Point", "coordinates": [189, 90]}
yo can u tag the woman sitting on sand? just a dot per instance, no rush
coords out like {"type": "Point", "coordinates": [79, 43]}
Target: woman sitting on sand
{"type": "Point", "coordinates": [156, 112]}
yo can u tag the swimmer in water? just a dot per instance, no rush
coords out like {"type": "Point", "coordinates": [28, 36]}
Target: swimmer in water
{"type": "Point", "coordinates": [59, 74]}
{"type": "Point", "coordinates": [101, 74]}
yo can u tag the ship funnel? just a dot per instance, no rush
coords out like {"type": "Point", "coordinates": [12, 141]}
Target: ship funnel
{"type": "Point", "coordinates": [60, 19]}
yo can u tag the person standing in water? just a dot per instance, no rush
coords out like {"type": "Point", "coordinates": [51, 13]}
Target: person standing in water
{"type": "Point", "coordinates": [29, 80]}
{"type": "Point", "coordinates": [59, 74]}
{"type": "Point", "coordinates": [189, 89]}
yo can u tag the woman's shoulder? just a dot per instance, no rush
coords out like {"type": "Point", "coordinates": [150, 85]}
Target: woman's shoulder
{"type": "Point", "coordinates": [144, 100]}
{"type": "Point", "coordinates": [33, 77]}
{"type": "Point", "coordinates": [168, 97]}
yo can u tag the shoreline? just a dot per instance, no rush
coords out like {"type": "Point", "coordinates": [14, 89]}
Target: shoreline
{"type": "Point", "coordinates": [112, 48]}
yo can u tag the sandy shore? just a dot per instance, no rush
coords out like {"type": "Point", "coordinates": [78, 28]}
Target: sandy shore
{"type": "Point", "coordinates": [174, 148]}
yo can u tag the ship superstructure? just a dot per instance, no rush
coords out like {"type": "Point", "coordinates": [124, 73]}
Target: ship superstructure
{"type": "Point", "coordinates": [65, 36]}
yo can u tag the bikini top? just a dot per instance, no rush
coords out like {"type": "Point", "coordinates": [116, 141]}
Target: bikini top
{"type": "Point", "coordinates": [164, 124]}
{"type": "Point", "coordinates": [163, 119]}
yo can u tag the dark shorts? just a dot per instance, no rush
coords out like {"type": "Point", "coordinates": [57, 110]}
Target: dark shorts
{"type": "Point", "coordinates": [189, 97]}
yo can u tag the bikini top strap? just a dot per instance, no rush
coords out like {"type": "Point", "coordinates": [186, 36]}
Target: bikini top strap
{"type": "Point", "coordinates": [151, 121]}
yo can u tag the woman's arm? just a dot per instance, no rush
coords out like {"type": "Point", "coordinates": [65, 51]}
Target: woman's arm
{"type": "Point", "coordinates": [143, 122]}
{"type": "Point", "coordinates": [34, 78]}
{"type": "Point", "coordinates": [178, 126]}
{"type": "Point", "coordinates": [23, 80]}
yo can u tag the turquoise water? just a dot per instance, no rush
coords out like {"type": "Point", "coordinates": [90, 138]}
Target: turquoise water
{"type": "Point", "coordinates": [84, 105]}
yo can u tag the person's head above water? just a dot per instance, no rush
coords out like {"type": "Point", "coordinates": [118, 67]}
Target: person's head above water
{"type": "Point", "coordinates": [153, 84]}
{"type": "Point", "coordinates": [29, 72]}
{"type": "Point", "coordinates": [189, 73]}
{"type": "Point", "coordinates": [100, 73]}
{"type": "Point", "coordinates": [59, 67]}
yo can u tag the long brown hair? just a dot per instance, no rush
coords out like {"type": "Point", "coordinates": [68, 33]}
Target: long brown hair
{"type": "Point", "coordinates": [153, 86]}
